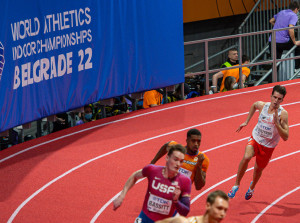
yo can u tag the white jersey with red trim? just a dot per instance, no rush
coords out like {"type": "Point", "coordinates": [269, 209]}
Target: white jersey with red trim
{"type": "Point", "coordinates": [265, 131]}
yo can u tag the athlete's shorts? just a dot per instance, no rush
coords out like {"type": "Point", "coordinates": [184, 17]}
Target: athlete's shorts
{"type": "Point", "coordinates": [263, 154]}
{"type": "Point", "coordinates": [143, 218]}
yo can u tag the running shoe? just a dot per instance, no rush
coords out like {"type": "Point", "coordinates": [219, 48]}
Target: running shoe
{"type": "Point", "coordinates": [249, 193]}
{"type": "Point", "coordinates": [231, 193]}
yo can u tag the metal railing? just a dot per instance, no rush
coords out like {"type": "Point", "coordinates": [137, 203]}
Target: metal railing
{"type": "Point", "coordinates": [258, 20]}
{"type": "Point", "coordinates": [240, 37]}
{"type": "Point", "coordinates": [211, 57]}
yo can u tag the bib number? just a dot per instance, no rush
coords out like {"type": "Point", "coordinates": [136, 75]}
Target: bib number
{"type": "Point", "coordinates": [159, 205]}
{"type": "Point", "coordinates": [186, 172]}
{"type": "Point", "coordinates": [265, 132]}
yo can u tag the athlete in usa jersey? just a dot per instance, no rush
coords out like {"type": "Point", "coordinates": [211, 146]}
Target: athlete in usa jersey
{"type": "Point", "coordinates": [159, 196]}
{"type": "Point", "coordinates": [168, 190]}
{"type": "Point", "coordinates": [272, 125]}
{"type": "Point", "coordinates": [195, 163]}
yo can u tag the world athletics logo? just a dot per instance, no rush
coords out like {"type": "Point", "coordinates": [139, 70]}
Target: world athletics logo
{"type": "Point", "coordinates": [2, 61]}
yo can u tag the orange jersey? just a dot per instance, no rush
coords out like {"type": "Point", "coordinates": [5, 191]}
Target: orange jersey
{"type": "Point", "coordinates": [234, 73]}
{"type": "Point", "coordinates": [188, 167]}
{"type": "Point", "coordinates": [152, 98]}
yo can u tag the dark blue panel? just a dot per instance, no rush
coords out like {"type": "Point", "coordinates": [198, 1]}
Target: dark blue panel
{"type": "Point", "coordinates": [59, 55]}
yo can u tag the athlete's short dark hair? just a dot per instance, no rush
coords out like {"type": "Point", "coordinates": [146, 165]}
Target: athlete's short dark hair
{"type": "Point", "coordinates": [211, 198]}
{"type": "Point", "coordinates": [193, 132]}
{"type": "Point", "coordinates": [280, 89]}
{"type": "Point", "coordinates": [176, 147]}
{"type": "Point", "coordinates": [294, 5]}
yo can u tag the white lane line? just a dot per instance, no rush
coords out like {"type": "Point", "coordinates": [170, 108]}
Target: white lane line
{"type": "Point", "coordinates": [135, 116]}
{"type": "Point", "coordinates": [111, 200]}
{"type": "Point", "coordinates": [271, 205]}
{"type": "Point", "coordinates": [229, 178]}
{"type": "Point", "coordinates": [201, 194]}
{"type": "Point", "coordinates": [106, 154]}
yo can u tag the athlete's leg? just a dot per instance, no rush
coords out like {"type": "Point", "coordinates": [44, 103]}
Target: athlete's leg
{"type": "Point", "coordinates": [256, 175]}
{"type": "Point", "coordinates": [249, 153]}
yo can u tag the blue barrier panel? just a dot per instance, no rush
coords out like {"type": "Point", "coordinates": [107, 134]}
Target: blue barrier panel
{"type": "Point", "coordinates": [59, 55]}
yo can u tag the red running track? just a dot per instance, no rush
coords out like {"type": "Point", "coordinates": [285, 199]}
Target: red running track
{"type": "Point", "coordinates": [72, 175]}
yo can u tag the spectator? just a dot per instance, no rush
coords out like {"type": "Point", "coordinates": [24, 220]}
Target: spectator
{"type": "Point", "coordinates": [152, 98]}
{"type": "Point", "coordinates": [216, 207]}
{"type": "Point", "coordinates": [86, 116]}
{"type": "Point", "coordinates": [229, 83]}
{"type": "Point", "coordinates": [120, 106]}
{"type": "Point", "coordinates": [232, 72]}
{"type": "Point", "coordinates": [176, 95]}
{"type": "Point", "coordinates": [285, 39]}
{"type": "Point", "coordinates": [232, 59]}
{"type": "Point", "coordinates": [62, 122]}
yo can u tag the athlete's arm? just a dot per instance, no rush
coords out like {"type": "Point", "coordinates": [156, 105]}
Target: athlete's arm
{"type": "Point", "coordinates": [183, 205]}
{"type": "Point", "coordinates": [282, 124]}
{"type": "Point", "coordinates": [200, 175]}
{"type": "Point", "coordinates": [162, 151]}
{"type": "Point", "coordinates": [129, 184]}
{"type": "Point", "coordinates": [181, 197]}
{"type": "Point", "coordinates": [256, 106]}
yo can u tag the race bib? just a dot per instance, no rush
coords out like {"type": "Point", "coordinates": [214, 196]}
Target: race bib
{"type": "Point", "coordinates": [265, 132]}
{"type": "Point", "coordinates": [186, 172]}
{"type": "Point", "coordinates": [159, 205]}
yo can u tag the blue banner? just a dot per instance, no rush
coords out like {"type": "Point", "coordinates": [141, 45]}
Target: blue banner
{"type": "Point", "coordinates": [59, 55]}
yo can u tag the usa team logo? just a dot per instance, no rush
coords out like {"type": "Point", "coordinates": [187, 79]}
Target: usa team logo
{"type": "Point", "coordinates": [2, 61]}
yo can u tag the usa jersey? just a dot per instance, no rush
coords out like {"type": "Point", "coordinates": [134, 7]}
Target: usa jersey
{"type": "Point", "coordinates": [158, 203]}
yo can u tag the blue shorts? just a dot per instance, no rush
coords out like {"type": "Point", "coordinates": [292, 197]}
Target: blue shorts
{"type": "Point", "coordinates": [143, 218]}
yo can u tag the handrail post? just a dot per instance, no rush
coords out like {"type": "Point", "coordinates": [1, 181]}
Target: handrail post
{"type": "Point", "coordinates": [274, 55]}
{"type": "Point", "coordinates": [240, 62]}
{"type": "Point", "coordinates": [206, 67]}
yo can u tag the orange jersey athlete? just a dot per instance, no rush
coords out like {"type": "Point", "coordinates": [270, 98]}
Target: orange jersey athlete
{"type": "Point", "coordinates": [195, 163]}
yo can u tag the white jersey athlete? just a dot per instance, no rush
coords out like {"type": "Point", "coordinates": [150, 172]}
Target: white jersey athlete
{"type": "Point", "coordinates": [272, 125]}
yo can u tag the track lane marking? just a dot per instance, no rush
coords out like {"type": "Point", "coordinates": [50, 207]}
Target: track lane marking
{"type": "Point", "coordinates": [198, 196]}
{"type": "Point", "coordinates": [136, 116]}
{"type": "Point", "coordinates": [271, 205]}
{"type": "Point", "coordinates": [122, 148]}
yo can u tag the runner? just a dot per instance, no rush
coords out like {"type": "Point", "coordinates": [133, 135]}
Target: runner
{"type": "Point", "coordinates": [216, 207]}
{"type": "Point", "coordinates": [272, 125]}
{"type": "Point", "coordinates": [195, 163]}
{"type": "Point", "coordinates": [168, 190]}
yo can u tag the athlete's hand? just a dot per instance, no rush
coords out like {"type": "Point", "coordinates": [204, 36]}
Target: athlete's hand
{"type": "Point", "coordinates": [200, 159]}
{"type": "Point", "coordinates": [241, 126]}
{"type": "Point", "coordinates": [176, 193]}
{"type": "Point", "coordinates": [276, 117]}
{"type": "Point", "coordinates": [117, 202]}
